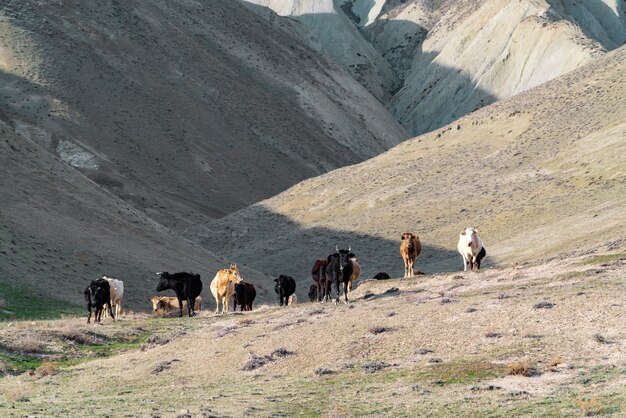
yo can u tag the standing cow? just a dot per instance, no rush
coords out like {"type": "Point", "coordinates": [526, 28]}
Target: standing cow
{"type": "Point", "coordinates": [223, 287]}
{"type": "Point", "coordinates": [285, 287]}
{"type": "Point", "coordinates": [99, 291]}
{"type": "Point", "coordinates": [117, 293]}
{"type": "Point", "coordinates": [244, 294]}
{"type": "Point", "coordinates": [186, 285]}
{"type": "Point", "coordinates": [410, 249]}
{"type": "Point", "coordinates": [471, 248]}
{"type": "Point", "coordinates": [318, 274]}
{"type": "Point", "coordinates": [339, 270]}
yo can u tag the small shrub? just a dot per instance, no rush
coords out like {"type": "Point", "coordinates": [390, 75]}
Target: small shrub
{"type": "Point", "coordinates": [471, 309]}
{"type": "Point", "coordinates": [225, 331]}
{"type": "Point", "coordinates": [323, 372]}
{"type": "Point", "coordinates": [554, 363]}
{"type": "Point", "coordinates": [254, 362]}
{"type": "Point", "coordinates": [599, 338]}
{"type": "Point", "coordinates": [423, 351]}
{"type": "Point", "coordinates": [245, 322]}
{"type": "Point", "coordinates": [590, 407]}
{"type": "Point", "coordinates": [391, 314]}
{"type": "Point", "coordinates": [493, 334]}
{"type": "Point", "coordinates": [376, 329]}
{"type": "Point", "coordinates": [522, 367]}
{"type": "Point", "coordinates": [281, 352]}
{"type": "Point", "coordinates": [374, 366]}
{"type": "Point", "coordinates": [317, 311]}
{"type": "Point", "coordinates": [46, 369]}
{"type": "Point", "coordinates": [543, 305]}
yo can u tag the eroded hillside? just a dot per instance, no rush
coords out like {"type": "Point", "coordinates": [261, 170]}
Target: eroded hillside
{"type": "Point", "coordinates": [540, 174]}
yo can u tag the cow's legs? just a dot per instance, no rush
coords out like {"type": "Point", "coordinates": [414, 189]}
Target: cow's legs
{"type": "Point", "coordinates": [406, 267]}
{"type": "Point", "coordinates": [180, 306]}
{"type": "Point", "coordinates": [464, 263]}
{"type": "Point", "coordinates": [410, 268]}
{"type": "Point", "coordinates": [345, 291]}
{"type": "Point", "coordinates": [471, 263]}
{"type": "Point", "coordinates": [110, 310]}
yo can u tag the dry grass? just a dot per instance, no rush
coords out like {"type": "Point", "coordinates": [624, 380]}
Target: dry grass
{"type": "Point", "coordinates": [523, 367]}
{"type": "Point", "coordinates": [590, 407]}
{"type": "Point", "coordinates": [445, 354]}
{"type": "Point", "coordinates": [554, 363]}
{"type": "Point", "coordinates": [46, 369]}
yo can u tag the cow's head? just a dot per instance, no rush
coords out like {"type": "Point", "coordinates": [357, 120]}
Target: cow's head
{"type": "Point", "coordinates": [240, 288]}
{"type": "Point", "coordinates": [163, 282]}
{"type": "Point", "coordinates": [468, 235]}
{"type": "Point", "coordinates": [233, 274]}
{"type": "Point", "coordinates": [155, 302]}
{"type": "Point", "coordinates": [344, 257]}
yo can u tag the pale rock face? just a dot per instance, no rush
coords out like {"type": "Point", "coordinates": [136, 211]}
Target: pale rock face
{"type": "Point", "coordinates": [477, 54]}
{"type": "Point", "coordinates": [339, 38]}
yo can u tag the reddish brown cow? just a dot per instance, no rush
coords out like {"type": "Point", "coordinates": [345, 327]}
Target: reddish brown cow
{"type": "Point", "coordinates": [410, 249]}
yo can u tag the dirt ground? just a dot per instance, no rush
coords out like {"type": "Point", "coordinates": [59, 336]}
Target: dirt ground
{"type": "Point", "coordinates": [523, 340]}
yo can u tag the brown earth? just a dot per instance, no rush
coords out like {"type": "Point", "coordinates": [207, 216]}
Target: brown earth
{"type": "Point", "coordinates": [437, 345]}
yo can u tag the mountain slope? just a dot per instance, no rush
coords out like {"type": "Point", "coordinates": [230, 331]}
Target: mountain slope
{"type": "Point", "coordinates": [539, 174]}
{"type": "Point", "coordinates": [181, 109]}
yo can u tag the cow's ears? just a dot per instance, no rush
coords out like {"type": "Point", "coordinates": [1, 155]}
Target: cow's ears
{"type": "Point", "coordinates": [463, 232]}
{"type": "Point", "coordinates": [351, 255]}
{"type": "Point", "coordinates": [275, 280]}
{"type": "Point", "coordinates": [402, 237]}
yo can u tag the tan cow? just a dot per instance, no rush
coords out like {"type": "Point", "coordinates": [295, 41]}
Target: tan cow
{"type": "Point", "coordinates": [223, 286]}
{"type": "Point", "coordinates": [356, 273]}
{"type": "Point", "coordinates": [167, 304]}
{"type": "Point", "coordinates": [410, 249]}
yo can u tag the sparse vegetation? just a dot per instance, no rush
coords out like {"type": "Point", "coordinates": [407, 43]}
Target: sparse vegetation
{"type": "Point", "coordinates": [523, 367]}
{"type": "Point", "coordinates": [378, 329]}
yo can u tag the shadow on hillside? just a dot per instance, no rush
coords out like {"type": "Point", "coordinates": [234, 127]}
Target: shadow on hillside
{"type": "Point", "coordinates": [274, 244]}
{"type": "Point", "coordinates": [612, 23]}
{"type": "Point", "coordinates": [424, 100]}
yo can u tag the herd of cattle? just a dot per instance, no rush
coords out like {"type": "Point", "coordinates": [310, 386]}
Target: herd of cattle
{"type": "Point", "coordinates": [339, 269]}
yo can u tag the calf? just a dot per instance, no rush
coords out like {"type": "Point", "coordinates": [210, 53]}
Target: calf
{"type": "Point", "coordinates": [410, 249]}
{"type": "Point", "coordinates": [382, 276]}
{"type": "Point", "coordinates": [313, 293]}
{"type": "Point", "coordinates": [167, 304]}
{"type": "Point", "coordinates": [186, 285]}
{"type": "Point", "coordinates": [318, 274]}
{"type": "Point", "coordinates": [244, 295]}
{"type": "Point", "coordinates": [471, 248]}
{"type": "Point", "coordinates": [99, 291]}
{"type": "Point", "coordinates": [285, 287]}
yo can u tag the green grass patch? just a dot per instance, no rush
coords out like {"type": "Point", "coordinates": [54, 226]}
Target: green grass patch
{"type": "Point", "coordinates": [464, 372]}
{"type": "Point", "coordinates": [24, 303]}
{"type": "Point", "coordinates": [114, 347]}
{"type": "Point", "coordinates": [17, 364]}
{"type": "Point", "coordinates": [606, 258]}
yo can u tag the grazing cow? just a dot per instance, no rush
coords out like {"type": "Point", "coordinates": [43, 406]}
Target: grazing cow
{"type": "Point", "coordinates": [339, 270]}
{"type": "Point", "coordinates": [382, 276]}
{"type": "Point", "coordinates": [318, 273]}
{"type": "Point", "coordinates": [117, 292]}
{"type": "Point", "coordinates": [410, 249]}
{"type": "Point", "coordinates": [471, 248]}
{"type": "Point", "coordinates": [223, 286]}
{"type": "Point", "coordinates": [313, 293]}
{"type": "Point", "coordinates": [356, 273]}
{"type": "Point", "coordinates": [166, 304]}
{"type": "Point", "coordinates": [186, 285]}
{"type": "Point", "coordinates": [285, 287]}
{"type": "Point", "coordinates": [244, 294]}
{"type": "Point", "coordinates": [100, 291]}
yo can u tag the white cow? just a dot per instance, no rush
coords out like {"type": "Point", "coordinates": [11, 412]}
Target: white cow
{"type": "Point", "coordinates": [117, 292]}
{"type": "Point", "coordinates": [471, 248]}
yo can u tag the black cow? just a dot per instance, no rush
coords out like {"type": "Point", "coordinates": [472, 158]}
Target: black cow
{"type": "Point", "coordinates": [244, 295]}
{"type": "Point", "coordinates": [186, 285]}
{"type": "Point", "coordinates": [318, 274]}
{"type": "Point", "coordinates": [285, 287]}
{"type": "Point", "coordinates": [382, 276]}
{"type": "Point", "coordinates": [338, 270]}
{"type": "Point", "coordinates": [313, 293]}
{"type": "Point", "coordinates": [100, 291]}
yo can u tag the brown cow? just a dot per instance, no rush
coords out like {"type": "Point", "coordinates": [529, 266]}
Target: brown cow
{"type": "Point", "coordinates": [223, 286]}
{"type": "Point", "coordinates": [410, 249]}
{"type": "Point", "coordinates": [167, 304]}
{"type": "Point", "coordinates": [356, 273]}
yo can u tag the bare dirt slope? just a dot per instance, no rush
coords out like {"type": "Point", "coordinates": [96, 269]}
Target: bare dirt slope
{"type": "Point", "coordinates": [539, 175]}
{"type": "Point", "coordinates": [184, 110]}
{"type": "Point", "coordinates": [539, 340]}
